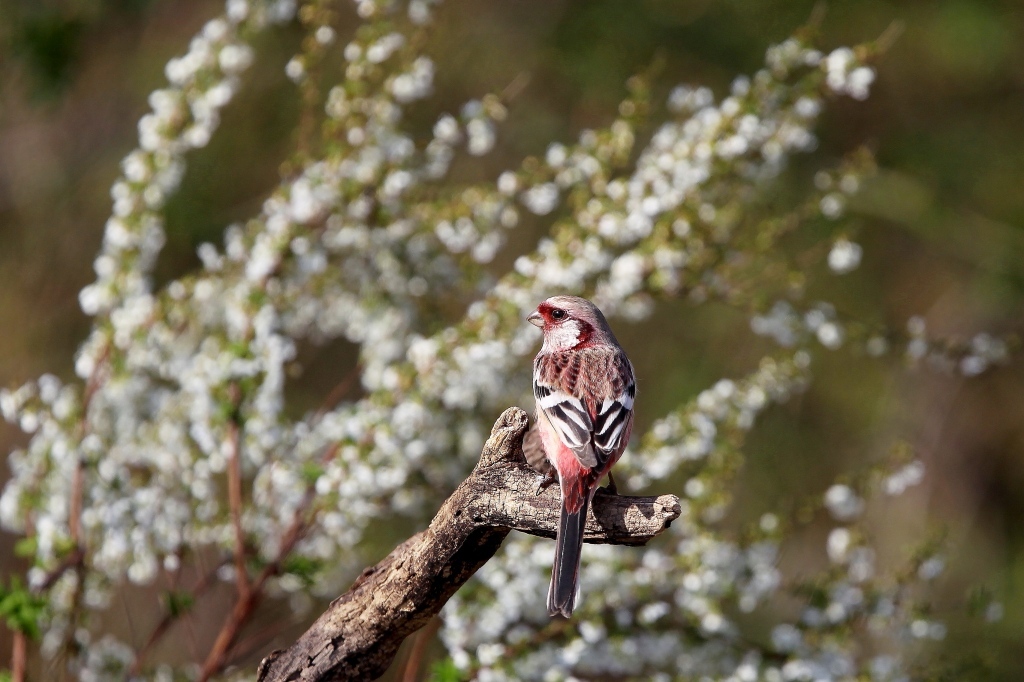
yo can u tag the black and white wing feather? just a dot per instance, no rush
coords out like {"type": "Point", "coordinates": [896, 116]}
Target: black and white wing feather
{"type": "Point", "coordinates": [568, 416]}
{"type": "Point", "coordinates": [594, 428]}
{"type": "Point", "coordinates": [613, 423]}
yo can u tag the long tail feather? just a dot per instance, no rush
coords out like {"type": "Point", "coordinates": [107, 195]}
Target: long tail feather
{"type": "Point", "coordinates": [566, 571]}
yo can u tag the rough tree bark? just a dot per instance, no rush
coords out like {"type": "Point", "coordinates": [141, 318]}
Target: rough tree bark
{"type": "Point", "coordinates": [359, 634]}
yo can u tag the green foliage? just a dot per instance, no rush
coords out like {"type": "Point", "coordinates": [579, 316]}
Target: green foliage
{"type": "Point", "coordinates": [311, 471]}
{"type": "Point", "coordinates": [177, 603]}
{"type": "Point", "coordinates": [20, 608]}
{"type": "Point", "coordinates": [445, 670]}
{"type": "Point", "coordinates": [302, 567]}
{"type": "Point", "coordinates": [26, 547]}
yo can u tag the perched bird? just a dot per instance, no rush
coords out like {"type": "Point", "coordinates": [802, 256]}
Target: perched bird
{"type": "Point", "coordinates": [584, 386]}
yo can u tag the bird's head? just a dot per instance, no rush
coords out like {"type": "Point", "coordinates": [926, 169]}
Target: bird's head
{"type": "Point", "coordinates": [570, 322]}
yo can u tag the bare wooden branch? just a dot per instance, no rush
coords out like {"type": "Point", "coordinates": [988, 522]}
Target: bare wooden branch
{"type": "Point", "coordinates": [359, 634]}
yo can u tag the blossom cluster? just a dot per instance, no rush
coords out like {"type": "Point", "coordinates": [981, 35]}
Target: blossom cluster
{"type": "Point", "coordinates": [182, 389]}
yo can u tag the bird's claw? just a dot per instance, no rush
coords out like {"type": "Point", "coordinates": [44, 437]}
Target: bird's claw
{"type": "Point", "coordinates": [550, 476]}
{"type": "Point", "coordinates": [611, 488]}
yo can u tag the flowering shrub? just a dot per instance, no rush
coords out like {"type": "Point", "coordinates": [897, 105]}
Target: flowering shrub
{"type": "Point", "coordinates": [175, 445]}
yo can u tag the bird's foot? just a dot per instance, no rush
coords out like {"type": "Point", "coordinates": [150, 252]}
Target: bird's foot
{"type": "Point", "coordinates": [550, 476]}
{"type": "Point", "coordinates": [611, 488]}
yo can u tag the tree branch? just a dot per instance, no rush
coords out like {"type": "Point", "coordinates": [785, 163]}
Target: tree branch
{"type": "Point", "coordinates": [359, 634]}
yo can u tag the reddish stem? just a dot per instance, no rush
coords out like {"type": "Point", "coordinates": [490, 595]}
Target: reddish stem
{"type": "Point", "coordinates": [18, 657]}
{"type": "Point", "coordinates": [245, 605]}
{"type": "Point", "coordinates": [419, 649]}
{"type": "Point", "coordinates": [235, 502]}
{"type": "Point", "coordinates": [217, 658]}
{"type": "Point", "coordinates": [166, 622]}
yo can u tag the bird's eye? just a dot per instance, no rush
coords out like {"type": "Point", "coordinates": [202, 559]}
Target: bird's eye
{"type": "Point", "coordinates": [557, 314]}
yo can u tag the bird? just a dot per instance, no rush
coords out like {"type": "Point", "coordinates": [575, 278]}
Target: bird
{"type": "Point", "coordinates": [584, 386]}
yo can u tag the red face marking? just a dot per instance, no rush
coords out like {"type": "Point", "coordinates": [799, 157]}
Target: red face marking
{"type": "Point", "coordinates": [555, 316]}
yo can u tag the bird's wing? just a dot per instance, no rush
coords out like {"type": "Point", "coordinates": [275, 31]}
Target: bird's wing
{"type": "Point", "coordinates": [613, 422]}
{"type": "Point", "coordinates": [568, 416]}
{"type": "Point", "coordinates": [533, 450]}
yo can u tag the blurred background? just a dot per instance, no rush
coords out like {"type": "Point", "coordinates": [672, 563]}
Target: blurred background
{"type": "Point", "coordinates": [942, 226]}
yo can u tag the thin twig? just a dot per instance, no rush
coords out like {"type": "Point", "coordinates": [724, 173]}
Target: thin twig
{"type": "Point", "coordinates": [78, 483]}
{"type": "Point", "coordinates": [217, 657]}
{"type": "Point", "coordinates": [244, 607]}
{"type": "Point", "coordinates": [76, 559]}
{"type": "Point", "coordinates": [817, 15]}
{"type": "Point", "coordinates": [889, 36]}
{"type": "Point", "coordinates": [339, 391]}
{"type": "Point", "coordinates": [518, 84]}
{"type": "Point", "coordinates": [207, 581]}
{"type": "Point", "coordinates": [258, 640]}
{"type": "Point", "coordinates": [226, 637]}
{"type": "Point", "coordinates": [235, 499]}
{"type": "Point", "coordinates": [75, 517]}
{"type": "Point", "coordinates": [18, 656]}
{"type": "Point", "coordinates": [72, 560]}
{"type": "Point", "coordinates": [419, 648]}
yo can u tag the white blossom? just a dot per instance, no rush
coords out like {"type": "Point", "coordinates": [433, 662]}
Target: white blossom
{"type": "Point", "coordinates": [843, 502]}
{"type": "Point", "coordinates": [844, 256]}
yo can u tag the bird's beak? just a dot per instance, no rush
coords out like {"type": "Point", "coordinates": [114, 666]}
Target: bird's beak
{"type": "Point", "coordinates": [535, 319]}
